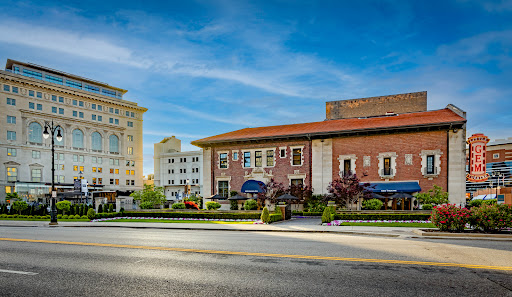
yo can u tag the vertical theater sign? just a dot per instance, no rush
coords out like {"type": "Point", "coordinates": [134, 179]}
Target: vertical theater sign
{"type": "Point", "coordinates": [477, 153]}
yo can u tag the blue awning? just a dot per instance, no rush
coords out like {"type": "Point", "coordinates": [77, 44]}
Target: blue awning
{"type": "Point", "coordinates": [253, 186]}
{"type": "Point", "coordinates": [394, 187]}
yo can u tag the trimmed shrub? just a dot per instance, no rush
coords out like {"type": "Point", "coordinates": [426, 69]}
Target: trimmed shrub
{"type": "Point", "coordinates": [490, 202]}
{"type": "Point", "coordinates": [59, 216]}
{"type": "Point", "coordinates": [65, 217]}
{"type": "Point", "coordinates": [491, 218]}
{"type": "Point", "coordinates": [91, 214]}
{"type": "Point", "coordinates": [382, 216]}
{"type": "Point", "coordinates": [250, 204]}
{"type": "Point", "coordinates": [234, 204]}
{"type": "Point", "coordinates": [307, 213]}
{"type": "Point", "coordinates": [427, 207]}
{"type": "Point", "coordinates": [84, 217]}
{"type": "Point", "coordinates": [212, 205]}
{"type": "Point", "coordinates": [198, 215]}
{"type": "Point", "coordinates": [178, 206]}
{"type": "Point", "coordinates": [328, 214]}
{"type": "Point", "coordinates": [76, 217]}
{"type": "Point", "coordinates": [265, 215]}
{"type": "Point", "coordinates": [475, 203]}
{"type": "Point", "coordinates": [191, 205]}
{"type": "Point", "coordinates": [449, 217]}
{"type": "Point", "coordinates": [374, 204]}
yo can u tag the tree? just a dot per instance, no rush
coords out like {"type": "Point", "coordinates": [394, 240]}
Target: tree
{"type": "Point", "coordinates": [150, 196]}
{"type": "Point", "coordinates": [300, 191]}
{"type": "Point", "coordinates": [19, 206]}
{"type": "Point", "coordinates": [63, 206]}
{"type": "Point", "coordinates": [265, 215]}
{"type": "Point", "coordinates": [433, 196]}
{"type": "Point", "coordinates": [12, 196]}
{"type": "Point", "coordinates": [273, 190]}
{"type": "Point", "coordinates": [348, 190]}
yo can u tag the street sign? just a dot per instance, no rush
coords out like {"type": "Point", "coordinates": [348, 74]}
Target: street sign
{"type": "Point", "coordinates": [77, 185]}
{"type": "Point", "coordinates": [84, 186]}
{"type": "Point", "coordinates": [54, 194]}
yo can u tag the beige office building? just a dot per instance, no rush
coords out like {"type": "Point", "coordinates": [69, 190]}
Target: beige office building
{"type": "Point", "coordinates": [102, 133]}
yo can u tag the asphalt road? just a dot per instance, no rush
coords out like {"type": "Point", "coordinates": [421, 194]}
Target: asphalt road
{"type": "Point", "coordinates": [150, 264]}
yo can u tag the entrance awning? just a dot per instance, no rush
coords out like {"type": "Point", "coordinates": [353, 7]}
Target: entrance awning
{"type": "Point", "coordinates": [394, 187]}
{"type": "Point", "coordinates": [253, 186]}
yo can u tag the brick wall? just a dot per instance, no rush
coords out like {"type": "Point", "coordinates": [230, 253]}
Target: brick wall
{"type": "Point", "coordinates": [282, 166]}
{"type": "Point", "coordinates": [374, 106]}
{"type": "Point", "coordinates": [402, 144]}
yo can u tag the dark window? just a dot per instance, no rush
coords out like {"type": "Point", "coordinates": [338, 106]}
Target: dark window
{"type": "Point", "coordinates": [430, 165]}
{"type": "Point", "coordinates": [247, 159]}
{"type": "Point", "coordinates": [223, 160]}
{"type": "Point", "coordinates": [283, 153]}
{"type": "Point", "coordinates": [223, 188]}
{"type": "Point", "coordinates": [257, 159]}
{"type": "Point", "coordinates": [297, 182]}
{"type": "Point", "coordinates": [347, 167]}
{"type": "Point", "coordinates": [297, 156]}
{"type": "Point", "coordinates": [387, 166]}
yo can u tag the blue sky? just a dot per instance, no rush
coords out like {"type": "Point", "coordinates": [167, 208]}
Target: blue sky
{"type": "Point", "coordinates": [209, 67]}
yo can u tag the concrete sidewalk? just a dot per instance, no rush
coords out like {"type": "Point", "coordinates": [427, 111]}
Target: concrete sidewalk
{"type": "Point", "coordinates": [293, 225]}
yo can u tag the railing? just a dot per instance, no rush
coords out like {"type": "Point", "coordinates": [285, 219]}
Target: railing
{"type": "Point", "coordinates": [386, 172]}
{"type": "Point", "coordinates": [430, 171]}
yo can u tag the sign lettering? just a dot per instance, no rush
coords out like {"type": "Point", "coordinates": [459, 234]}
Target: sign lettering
{"type": "Point", "coordinates": [477, 153]}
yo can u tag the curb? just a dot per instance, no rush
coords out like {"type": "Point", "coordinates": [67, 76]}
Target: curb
{"type": "Point", "coordinates": [469, 236]}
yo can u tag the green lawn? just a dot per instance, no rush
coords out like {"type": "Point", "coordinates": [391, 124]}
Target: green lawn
{"type": "Point", "coordinates": [411, 225]}
{"type": "Point", "coordinates": [25, 219]}
{"type": "Point", "coordinates": [174, 221]}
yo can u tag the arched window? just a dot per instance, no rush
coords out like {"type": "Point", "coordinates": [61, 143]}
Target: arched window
{"type": "Point", "coordinates": [61, 142]}
{"type": "Point", "coordinates": [96, 141]}
{"type": "Point", "coordinates": [78, 138]}
{"type": "Point", "coordinates": [114, 144]}
{"type": "Point", "coordinates": [35, 132]}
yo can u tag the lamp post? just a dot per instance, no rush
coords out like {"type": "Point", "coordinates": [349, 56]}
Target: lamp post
{"type": "Point", "coordinates": [498, 175]}
{"type": "Point", "coordinates": [46, 134]}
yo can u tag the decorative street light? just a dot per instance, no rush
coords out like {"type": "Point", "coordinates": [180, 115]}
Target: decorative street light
{"type": "Point", "coordinates": [46, 134]}
{"type": "Point", "coordinates": [498, 175]}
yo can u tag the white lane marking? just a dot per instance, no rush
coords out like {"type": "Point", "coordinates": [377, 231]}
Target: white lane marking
{"type": "Point", "coordinates": [18, 272]}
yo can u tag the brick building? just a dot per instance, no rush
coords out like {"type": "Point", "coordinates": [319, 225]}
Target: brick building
{"type": "Point", "coordinates": [392, 151]}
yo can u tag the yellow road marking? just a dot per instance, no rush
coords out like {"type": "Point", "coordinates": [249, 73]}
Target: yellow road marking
{"type": "Point", "coordinates": [422, 263]}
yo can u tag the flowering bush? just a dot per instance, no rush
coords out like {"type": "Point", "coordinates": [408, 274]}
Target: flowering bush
{"type": "Point", "coordinates": [190, 204]}
{"type": "Point", "coordinates": [491, 217]}
{"type": "Point", "coordinates": [449, 217]}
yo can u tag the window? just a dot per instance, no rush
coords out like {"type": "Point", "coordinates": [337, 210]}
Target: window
{"type": "Point", "coordinates": [35, 133]}
{"type": "Point", "coordinates": [61, 178]}
{"type": "Point", "coordinates": [132, 114]}
{"type": "Point", "coordinates": [7, 88]}
{"type": "Point", "coordinates": [172, 171]}
{"type": "Point", "coordinates": [111, 181]}
{"type": "Point", "coordinates": [387, 166]}
{"type": "Point", "coordinates": [347, 167]}
{"type": "Point", "coordinates": [11, 101]}
{"type": "Point", "coordinates": [111, 109]}
{"type": "Point", "coordinates": [92, 89]}
{"type": "Point", "coordinates": [258, 159]}
{"type": "Point", "coordinates": [81, 115]}
{"type": "Point", "coordinates": [127, 172]}
{"type": "Point", "coordinates": [93, 106]}
{"type": "Point", "coordinates": [39, 95]}
{"type": "Point", "coordinates": [61, 110]}
{"type": "Point", "coordinates": [172, 182]}
{"type": "Point", "coordinates": [15, 90]}
{"type": "Point", "coordinates": [96, 141]}
{"type": "Point", "coordinates": [31, 93]}
{"type": "Point", "coordinates": [11, 120]}
{"type": "Point", "coordinates": [93, 117]}
{"type": "Point", "coordinates": [54, 98]}
{"type": "Point", "coordinates": [116, 111]}
{"type": "Point", "coordinates": [496, 156]}
{"type": "Point", "coordinates": [247, 159]}
{"type": "Point", "coordinates": [78, 139]}
{"type": "Point", "coordinates": [116, 121]}
{"type": "Point", "coordinates": [100, 160]}
{"type": "Point", "coordinates": [114, 144]}
{"type": "Point", "coordinates": [117, 171]}
{"type": "Point", "coordinates": [54, 79]}
{"type": "Point", "coordinates": [270, 158]}
{"type": "Point", "coordinates": [127, 182]}
{"type": "Point", "coordinates": [75, 158]}
{"type": "Point", "coordinates": [117, 181]}
{"type": "Point", "coordinates": [235, 156]}
{"type": "Point", "coordinates": [39, 107]}
{"type": "Point", "coordinates": [100, 108]}
{"type": "Point", "coordinates": [133, 182]}
{"type": "Point", "coordinates": [12, 174]}
{"type": "Point", "coordinates": [81, 103]}
{"type": "Point", "coordinates": [282, 153]}
{"type": "Point", "coordinates": [132, 172]}
{"type": "Point", "coordinates": [61, 99]}
{"type": "Point", "coordinates": [127, 113]}
{"type": "Point", "coordinates": [73, 84]}
{"type": "Point", "coordinates": [130, 138]}
{"type": "Point", "coordinates": [100, 170]}
{"type": "Point", "coordinates": [33, 74]}
{"type": "Point", "coordinates": [11, 135]}
{"type": "Point", "coordinates": [36, 154]}
{"type": "Point", "coordinates": [11, 152]}
{"type": "Point", "coordinates": [100, 118]}
{"type": "Point", "coordinates": [54, 109]}
{"type": "Point", "coordinates": [75, 102]}
{"type": "Point", "coordinates": [297, 182]}
{"type": "Point", "coordinates": [297, 156]}
{"type": "Point", "coordinates": [75, 167]}
{"type": "Point", "coordinates": [82, 168]}
{"type": "Point", "coordinates": [130, 124]}
{"type": "Point", "coordinates": [108, 93]}
{"type": "Point", "coordinates": [75, 113]}
{"type": "Point", "coordinates": [130, 150]}
{"type": "Point", "coordinates": [31, 105]}
{"type": "Point", "coordinates": [431, 169]}
{"type": "Point", "coordinates": [223, 188]}
{"type": "Point", "coordinates": [100, 180]}
{"type": "Point", "coordinates": [36, 175]}
{"type": "Point", "coordinates": [94, 169]}
{"type": "Point", "coordinates": [223, 158]}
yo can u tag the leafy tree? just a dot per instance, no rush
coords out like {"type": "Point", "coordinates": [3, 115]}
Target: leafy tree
{"type": "Point", "coordinates": [12, 196]}
{"type": "Point", "coordinates": [19, 206]}
{"type": "Point", "coordinates": [348, 190]}
{"type": "Point", "coordinates": [150, 195]}
{"type": "Point", "coordinates": [434, 196]}
{"type": "Point", "coordinates": [303, 192]}
{"type": "Point", "coordinates": [91, 214]}
{"type": "Point", "coordinates": [272, 190]}
{"type": "Point", "coordinates": [63, 206]}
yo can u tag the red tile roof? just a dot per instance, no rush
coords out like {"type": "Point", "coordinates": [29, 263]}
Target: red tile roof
{"type": "Point", "coordinates": [416, 119]}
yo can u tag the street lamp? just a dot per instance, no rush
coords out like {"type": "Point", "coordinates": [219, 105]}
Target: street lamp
{"type": "Point", "coordinates": [46, 134]}
{"type": "Point", "coordinates": [498, 175]}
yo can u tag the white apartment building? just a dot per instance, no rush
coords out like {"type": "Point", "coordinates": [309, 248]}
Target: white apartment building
{"type": "Point", "coordinates": [176, 170]}
{"type": "Point", "coordinates": [102, 133]}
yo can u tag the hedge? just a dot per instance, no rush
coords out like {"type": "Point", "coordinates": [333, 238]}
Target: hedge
{"type": "Point", "coordinates": [196, 215]}
{"type": "Point", "coordinates": [382, 216]}
{"type": "Point", "coordinates": [306, 213]}
{"type": "Point", "coordinates": [274, 217]}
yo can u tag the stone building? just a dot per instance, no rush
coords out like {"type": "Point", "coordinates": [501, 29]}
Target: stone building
{"type": "Point", "coordinates": [179, 173]}
{"type": "Point", "coordinates": [406, 152]}
{"type": "Point", "coordinates": [102, 133]}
